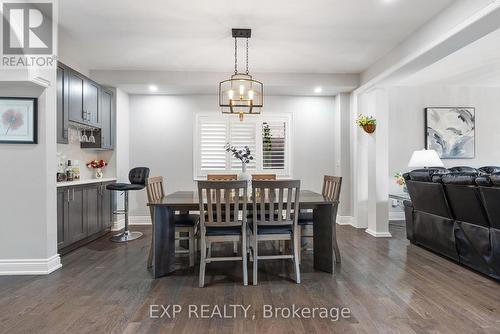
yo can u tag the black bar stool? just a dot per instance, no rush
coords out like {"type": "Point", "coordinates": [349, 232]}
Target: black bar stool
{"type": "Point", "coordinates": [137, 177]}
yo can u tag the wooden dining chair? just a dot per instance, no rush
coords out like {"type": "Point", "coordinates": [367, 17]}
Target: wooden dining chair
{"type": "Point", "coordinates": [331, 191]}
{"type": "Point", "coordinates": [222, 177]}
{"type": "Point", "coordinates": [263, 177]}
{"type": "Point", "coordinates": [184, 223]}
{"type": "Point", "coordinates": [219, 221]}
{"type": "Point", "coordinates": [281, 201]}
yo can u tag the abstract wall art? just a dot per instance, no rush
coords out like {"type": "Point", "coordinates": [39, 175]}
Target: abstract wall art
{"type": "Point", "coordinates": [450, 131]}
{"type": "Point", "coordinates": [18, 120]}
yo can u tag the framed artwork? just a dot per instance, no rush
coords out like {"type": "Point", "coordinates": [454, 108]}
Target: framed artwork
{"type": "Point", "coordinates": [18, 120]}
{"type": "Point", "coordinates": [450, 131]}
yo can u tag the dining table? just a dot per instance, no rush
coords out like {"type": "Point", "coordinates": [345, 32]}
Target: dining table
{"type": "Point", "coordinates": [325, 246]}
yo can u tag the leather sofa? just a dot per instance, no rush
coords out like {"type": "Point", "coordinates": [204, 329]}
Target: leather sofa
{"type": "Point", "coordinates": [456, 213]}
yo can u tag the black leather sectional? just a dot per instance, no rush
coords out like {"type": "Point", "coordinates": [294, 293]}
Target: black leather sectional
{"type": "Point", "coordinates": [456, 212]}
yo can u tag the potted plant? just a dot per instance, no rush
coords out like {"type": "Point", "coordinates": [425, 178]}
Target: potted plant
{"type": "Point", "coordinates": [400, 180]}
{"type": "Point", "coordinates": [244, 155]}
{"type": "Point", "coordinates": [98, 165]}
{"type": "Point", "coordinates": [368, 123]}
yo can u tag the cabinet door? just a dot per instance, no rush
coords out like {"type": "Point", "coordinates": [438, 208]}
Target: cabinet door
{"type": "Point", "coordinates": [106, 113]}
{"type": "Point", "coordinates": [62, 104]}
{"type": "Point", "coordinates": [91, 102]}
{"type": "Point", "coordinates": [62, 218]}
{"type": "Point", "coordinates": [106, 207]}
{"type": "Point", "coordinates": [75, 104]}
{"type": "Point", "coordinates": [93, 199]}
{"type": "Point", "coordinates": [77, 222]}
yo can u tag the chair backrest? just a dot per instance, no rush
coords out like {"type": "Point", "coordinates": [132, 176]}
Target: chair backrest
{"type": "Point", "coordinates": [138, 175]}
{"type": "Point", "coordinates": [154, 188]}
{"type": "Point", "coordinates": [331, 187]}
{"type": "Point", "coordinates": [275, 202]}
{"type": "Point", "coordinates": [155, 191]}
{"type": "Point", "coordinates": [263, 177]}
{"type": "Point", "coordinates": [222, 177]}
{"type": "Point", "coordinates": [220, 203]}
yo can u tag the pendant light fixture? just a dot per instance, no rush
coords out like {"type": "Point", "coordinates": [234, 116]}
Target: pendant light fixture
{"type": "Point", "coordinates": [241, 94]}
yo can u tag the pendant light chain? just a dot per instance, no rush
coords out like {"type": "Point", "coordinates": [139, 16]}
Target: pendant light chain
{"type": "Point", "coordinates": [235, 56]}
{"type": "Point", "coordinates": [247, 55]}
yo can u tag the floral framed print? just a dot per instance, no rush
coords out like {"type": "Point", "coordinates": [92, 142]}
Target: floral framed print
{"type": "Point", "coordinates": [18, 120]}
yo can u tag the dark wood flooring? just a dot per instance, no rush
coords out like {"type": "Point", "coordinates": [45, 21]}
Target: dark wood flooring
{"type": "Point", "coordinates": [389, 286]}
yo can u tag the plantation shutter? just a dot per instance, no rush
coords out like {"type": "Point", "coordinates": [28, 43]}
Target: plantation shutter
{"type": "Point", "coordinates": [243, 134]}
{"type": "Point", "coordinates": [273, 144]}
{"type": "Point", "coordinates": [212, 137]}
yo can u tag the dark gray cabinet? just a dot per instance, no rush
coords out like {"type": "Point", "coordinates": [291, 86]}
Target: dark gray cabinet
{"type": "Point", "coordinates": [76, 82]}
{"type": "Point", "coordinates": [62, 104]}
{"type": "Point", "coordinates": [91, 103]}
{"type": "Point", "coordinates": [107, 120]}
{"type": "Point", "coordinates": [84, 212]}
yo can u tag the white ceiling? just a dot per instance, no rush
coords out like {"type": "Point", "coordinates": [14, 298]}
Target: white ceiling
{"type": "Point", "coordinates": [477, 64]}
{"type": "Point", "coordinates": [300, 36]}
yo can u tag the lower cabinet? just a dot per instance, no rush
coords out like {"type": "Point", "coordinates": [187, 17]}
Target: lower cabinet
{"type": "Point", "coordinates": [83, 212]}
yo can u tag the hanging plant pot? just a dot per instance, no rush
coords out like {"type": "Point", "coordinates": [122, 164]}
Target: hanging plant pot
{"type": "Point", "coordinates": [369, 128]}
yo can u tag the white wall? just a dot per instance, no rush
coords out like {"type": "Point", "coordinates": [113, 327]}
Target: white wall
{"type": "Point", "coordinates": [407, 129]}
{"type": "Point", "coordinates": [28, 222]}
{"type": "Point", "coordinates": [161, 137]}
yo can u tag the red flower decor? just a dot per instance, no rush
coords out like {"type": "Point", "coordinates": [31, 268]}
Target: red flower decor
{"type": "Point", "coordinates": [97, 164]}
{"type": "Point", "coordinates": [12, 119]}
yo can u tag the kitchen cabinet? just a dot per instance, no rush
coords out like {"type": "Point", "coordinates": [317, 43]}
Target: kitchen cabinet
{"type": "Point", "coordinates": [91, 103]}
{"type": "Point", "coordinates": [76, 82]}
{"type": "Point", "coordinates": [62, 103]}
{"type": "Point", "coordinates": [84, 212]}
{"type": "Point", "coordinates": [107, 120]}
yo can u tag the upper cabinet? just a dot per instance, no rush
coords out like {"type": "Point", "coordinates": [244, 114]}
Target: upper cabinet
{"type": "Point", "coordinates": [62, 104]}
{"type": "Point", "coordinates": [83, 101]}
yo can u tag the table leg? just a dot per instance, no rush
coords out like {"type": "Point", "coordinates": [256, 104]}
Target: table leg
{"type": "Point", "coordinates": [164, 241]}
{"type": "Point", "coordinates": [325, 246]}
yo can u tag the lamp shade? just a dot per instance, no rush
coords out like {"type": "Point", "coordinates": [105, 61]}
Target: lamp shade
{"type": "Point", "coordinates": [425, 158]}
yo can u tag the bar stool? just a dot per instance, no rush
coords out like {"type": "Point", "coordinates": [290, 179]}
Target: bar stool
{"type": "Point", "coordinates": [137, 177]}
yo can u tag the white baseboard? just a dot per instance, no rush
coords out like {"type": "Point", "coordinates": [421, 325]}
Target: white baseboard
{"type": "Point", "coordinates": [132, 220]}
{"type": "Point", "coordinates": [30, 266]}
{"type": "Point", "coordinates": [396, 215]}
{"type": "Point", "coordinates": [345, 220]}
{"type": "Point", "coordinates": [378, 234]}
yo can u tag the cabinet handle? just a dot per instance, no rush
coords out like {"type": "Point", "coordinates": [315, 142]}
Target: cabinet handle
{"type": "Point", "coordinates": [67, 197]}
{"type": "Point", "coordinates": [73, 196]}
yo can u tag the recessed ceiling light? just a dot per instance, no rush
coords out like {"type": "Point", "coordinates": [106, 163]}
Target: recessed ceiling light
{"type": "Point", "coordinates": [318, 90]}
{"type": "Point", "coordinates": [153, 88]}
{"type": "Point", "coordinates": [388, 1]}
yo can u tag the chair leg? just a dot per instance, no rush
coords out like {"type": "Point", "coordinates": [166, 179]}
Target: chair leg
{"type": "Point", "coordinates": [255, 259]}
{"type": "Point", "coordinates": [296, 247]}
{"type": "Point", "coordinates": [299, 236]}
{"type": "Point", "coordinates": [244, 258]}
{"type": "Point", "coordinates": [203, 251]}
{"type": "Point", "coordinates": [336, 246]}
{"type": "Point", "coordinates": [150, 256]}
{"type": "Point", "coordinates": [191, 247]}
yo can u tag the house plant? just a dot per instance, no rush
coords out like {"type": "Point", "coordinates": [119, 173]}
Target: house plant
{"type": "Point", "coordinates": [98, 165]}
{"type": "Point", "coordinates": [244, 155]}
{"type": "Point", "coordinates": [368, 123]}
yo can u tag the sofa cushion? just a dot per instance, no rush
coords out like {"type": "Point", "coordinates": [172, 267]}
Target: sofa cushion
{"type": "Point", "coordinates": [489, 170]}
{"type": "Point", "coordinates": [462, 178]}
{"type": "Point", "coordinates": [463, 169]}
{"type": "Point", "coordinates": [425, 175]}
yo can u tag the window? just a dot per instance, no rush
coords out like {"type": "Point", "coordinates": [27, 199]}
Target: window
{"type": "Point", "coordinates": [268, 137]}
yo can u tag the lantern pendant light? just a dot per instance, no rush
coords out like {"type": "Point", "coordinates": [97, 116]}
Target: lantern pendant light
{"type": "Point", "coordinates": [241, 94]}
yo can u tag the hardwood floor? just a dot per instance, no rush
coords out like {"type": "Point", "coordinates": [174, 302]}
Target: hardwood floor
{"type": "Point", "coordinates": [389, 286]}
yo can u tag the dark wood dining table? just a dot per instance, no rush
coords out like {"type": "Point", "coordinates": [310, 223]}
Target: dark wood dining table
{"type": "Point", "coordinates": [325, 247]}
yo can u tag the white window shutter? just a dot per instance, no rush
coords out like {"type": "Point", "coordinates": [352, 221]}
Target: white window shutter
{"type": "Point", "coordinates": [213, 138]}
{"type": "Point", "coordinates": [274, 145]}
{"type": "Point", "coordinates": [243, 134]}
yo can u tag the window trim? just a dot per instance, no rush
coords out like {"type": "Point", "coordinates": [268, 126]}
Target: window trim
{"type": "Point", "coordinates": [198, 174]}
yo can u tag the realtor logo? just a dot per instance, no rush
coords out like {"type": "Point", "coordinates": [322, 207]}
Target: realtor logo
{"type": "Point", "coordinates": [27, 34]}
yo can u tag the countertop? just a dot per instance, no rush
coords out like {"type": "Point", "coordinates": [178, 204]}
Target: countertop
{"type": "Point", "coordinates": [87, 181]}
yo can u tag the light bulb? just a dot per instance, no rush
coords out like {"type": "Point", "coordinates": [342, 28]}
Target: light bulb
{"type": "Point", "coordinates": [250, 94]}
{"type": "Point", "coordinates": [242, 89]}
{"type": "Point", "coordinates": [230, 94]}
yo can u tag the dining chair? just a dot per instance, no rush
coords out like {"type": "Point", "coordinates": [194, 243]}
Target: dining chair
{"type": "Point", "coordinates": [222, 177]}
{"type": "Point", "coordinates": [331, 191]}
{"type": "Point", "coordinates": [184, 223]}
{"type": "Point", "coordinates": [219, 220]}
{"type": "Point", "coordinates": [281, 199]}
{"type": "Point", "coordinates": [263, 177]}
